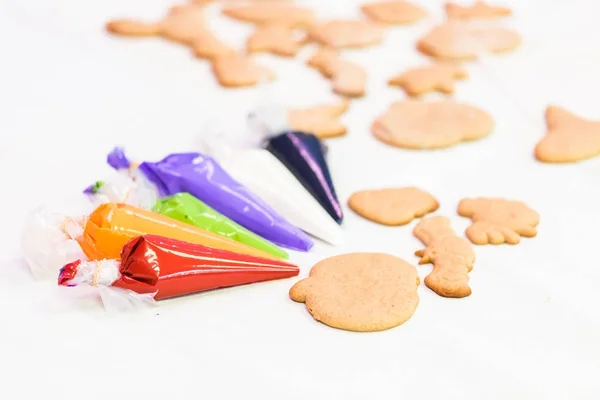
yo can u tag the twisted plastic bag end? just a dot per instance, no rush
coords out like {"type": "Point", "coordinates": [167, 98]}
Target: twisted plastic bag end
{"type": "Point", "coordinates": [49, 241]}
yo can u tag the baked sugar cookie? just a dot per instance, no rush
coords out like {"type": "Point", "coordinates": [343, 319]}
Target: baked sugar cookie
{"type": "Point", "coordinates": [210, 47]}
{"type": "Point", "coordinates": [497, 221]}
{"type": "Point", "coordinates": [347, 78]}
{"type": "Point", "coordinates": [182, 24]}
{"type": "Point", "coordinates": [465, 41]}
{"type": "Point", "coordinates": [394, 206]}
{"type": "Point", "coordinates": [322, 120]}
{"type": "Point", "coordinates": [430, 125]}
{"type": "Point", "coordinates": [274, 38]}
{"type": "Point", "coordinates": [238, 70]}
{"type": "Point", "coordinates": [261, 13]}
{"type": "Point", "coordinates": [569, 138]}
{"type": "Point", "coordinates": [437, 77]}
{"type": "Point", "coordinates": [479, 10]}
{"type": "Point", "coordinates": [347, 33]}
{"type": "Point", "coordinates": [362, 292]}
{"type": "Point", "coordinates": [394, 12]}
{"type": "Point", "coordinates": [452, 257]}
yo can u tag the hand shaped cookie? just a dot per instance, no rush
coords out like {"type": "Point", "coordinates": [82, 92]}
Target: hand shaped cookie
{"type": "Point", "coordinates": [452, 257]}
{"type": "Point", "coordinates": [348, 79]}
{"type": "Point", "coordinates": [322, 120]}
{"type": "Point", "coordinates": [347, 34]}
{"type": "Point", "coordinates": [497, 221]}
{"type": "Point", "coordinates": [430, 125]}
{"type": "Point", "coordinates": [394, 12]}
{"type": "Point", "coordinates": [397, 206]}
{"type": "Point", "coordinates": [479, 9]}
{"type": "Point", "coordinates": [261, 13]}
{"type": "Point", "coordinates": [569, 138]}
{"type": "Point", "coordinates": [363, 292]}
{"type": "Point", "coordinates": [238, 70]}
{"type": "Point", "coordinates": [437, 77]}
{"type": "Point", "coordinates": [464, 41]}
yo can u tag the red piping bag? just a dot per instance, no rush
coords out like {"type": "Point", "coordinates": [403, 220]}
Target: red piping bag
{"type": "Point", "coordinates": [164, 268]}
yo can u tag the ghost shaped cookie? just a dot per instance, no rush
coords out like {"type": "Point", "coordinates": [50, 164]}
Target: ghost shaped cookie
{"type": "Point", "coordinates": [321, 120]}
{"type": "Point", "coordinates": [452, 257]}
{"type": "Point", "coordinates": [394, 12]}
{"type": "Point", "coordinates": [238, 70]}
{"type": "Point", "coordinates": [436, 77]}
{"type": "Point", "coordinates": [361, 292]}
{"type": "Point", "coordinates": [430, 125]}
{"type": "Point", "coordinates": [497, 221]}
{"type": "Point", "coordinates": [478, 10]}
{"type": "Point", "coordinates": [465, 41]}
{"type": "Point", "coordinates": [569, 138]}
{"type": "Point", "coordinates": [393, 206]}
{"type": "Point", "coordinates": [347, 78]}
{"type": "Point", "coordinates": [347, 34]}
{"type": "Point", "coordinates": [261, 13]}
{"type": "Point", "coordinates": [274, 38]}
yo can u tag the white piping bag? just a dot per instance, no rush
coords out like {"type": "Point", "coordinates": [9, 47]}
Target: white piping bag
{"type": "Point", "coordinates": [260, 171]}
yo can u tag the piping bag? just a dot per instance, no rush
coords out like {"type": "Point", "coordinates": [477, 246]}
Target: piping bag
{"type": "Point", "coordinates": [155, 268]}
{"type": "Point", "coordinates": [111, 225]}
{"type": "Point", "coordinates": [302, 153]}
{"type": "Point", "coordinates": [181, 206]}
{"type": "Point", "coordinates": [205, 179]}
{"type": "Point", "coordinates": [186, 208]}
{"type": "Point", "coordinates": [260, 171]}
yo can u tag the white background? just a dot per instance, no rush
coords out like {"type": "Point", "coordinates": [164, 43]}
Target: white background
{"type": "Point", "coordinates": [530, 330]}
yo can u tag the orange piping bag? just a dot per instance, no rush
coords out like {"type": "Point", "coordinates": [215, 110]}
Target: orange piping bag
{"type": "Point", "coordinates": [111, 225]}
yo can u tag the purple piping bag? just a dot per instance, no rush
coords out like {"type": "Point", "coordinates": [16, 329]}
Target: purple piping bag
{"type": "Point", "coordinates": [204, 178]}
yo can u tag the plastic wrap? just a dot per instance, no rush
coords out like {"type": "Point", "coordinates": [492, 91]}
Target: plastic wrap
{"type": "Point", "coordinates": [186, 208]}
{"type": "Point", "coordinates": [205, 179]}
{"type": "Point", "coordinates": [111, 225]}
{"type": "Point", "coordinates": [260, 171]}
{"type": "Point", "coordinates": [49, 241]}
{"type": "Point", "coordinates": [160, 268]}
{"type": "Point", "coordinates": [123, 188]}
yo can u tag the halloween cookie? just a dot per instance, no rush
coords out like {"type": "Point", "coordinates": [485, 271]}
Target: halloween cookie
{"type": "Point", "coordinates": [261, 13]}
{"type": "Point", "coordinates": [394, 12]}
{"type": "Point", "coordinates": [452, 257]}
{"type": "Point", "coordinates": [478, 10]}
{"type": "Point", "coordinates": [437, 77]}
{"type": "Point", "coordinates": [347, 34]}
{"type": "Point", "coordinates": [497, 221]}
{"type": "Point", "coordinates": [322, 120]}
{"type": "Point", "coordinates": [569, 138]}
{"type": "Point", "coordinates": [274, 38]}
{"type": "Point", "coordinates": [430, 125]}
{"type": "Point", "coordinates": [362, 292]}
{"type": "Point", "coordinates": [465, 41]}
{"type": "Point", "coordinates": [238, 70]}
{"type": "Point", "coordinates": [394, 206]}
{"type": "Point", "coordinates": [347, 78]}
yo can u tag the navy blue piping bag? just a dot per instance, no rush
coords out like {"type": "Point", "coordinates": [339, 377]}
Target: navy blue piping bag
{"type": "Point", "coordinates": [303, 154]}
